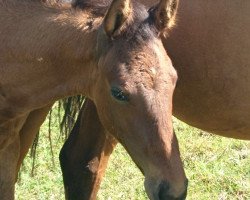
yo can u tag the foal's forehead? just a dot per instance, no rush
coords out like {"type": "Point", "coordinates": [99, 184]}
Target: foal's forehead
{"type": "Point", "coordinates": [139, 56]}
{"type": "Point", "coordinates": [144, 66]}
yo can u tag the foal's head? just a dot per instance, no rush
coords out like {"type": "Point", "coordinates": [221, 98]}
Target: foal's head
{"type": "Point", "coordinates": [133, 88]}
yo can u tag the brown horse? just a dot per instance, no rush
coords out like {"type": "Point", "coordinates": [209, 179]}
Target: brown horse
{"type": "Point", "coordinates": [210, 48]}
{"type": "Point", "coordinates": [114, 56]}
{"type": "Point", "coordinates": [213, 91]}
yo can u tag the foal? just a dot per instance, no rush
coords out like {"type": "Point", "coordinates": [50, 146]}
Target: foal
{"type": "Point", "coordinates": [115, 58]}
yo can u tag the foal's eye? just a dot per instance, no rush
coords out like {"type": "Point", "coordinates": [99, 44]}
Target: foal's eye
{"type": "Point", "coordinates": [118, 94]}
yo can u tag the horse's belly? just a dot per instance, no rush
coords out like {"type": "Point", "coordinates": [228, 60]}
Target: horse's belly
{"type": "Point", "coordinates": [210, 49]}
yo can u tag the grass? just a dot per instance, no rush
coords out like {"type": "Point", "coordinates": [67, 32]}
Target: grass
{"type": "Point", "coordinates": [218, 169]}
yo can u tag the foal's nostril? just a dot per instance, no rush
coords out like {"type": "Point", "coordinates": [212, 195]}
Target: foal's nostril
{"type": "Point", "coordinates": [164, 192]}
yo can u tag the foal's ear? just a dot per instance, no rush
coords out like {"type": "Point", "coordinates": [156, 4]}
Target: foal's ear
{"type": "Point", "coordinates": [164, 14]}
{"type": "Point", "coordinates": [117, 14]}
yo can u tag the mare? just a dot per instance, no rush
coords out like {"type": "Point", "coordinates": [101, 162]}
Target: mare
{"type": "Point", "coordinates": [210, 48]}
{"type": "Point", "coordinates": [114, 56]}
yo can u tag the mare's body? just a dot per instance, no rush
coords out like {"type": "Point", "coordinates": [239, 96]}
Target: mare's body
{"type": "Point", "coordinates": [210, 48]}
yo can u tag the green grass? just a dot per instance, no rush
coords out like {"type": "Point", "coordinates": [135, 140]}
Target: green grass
{"type": "Point", "coordinates": [218, 169]}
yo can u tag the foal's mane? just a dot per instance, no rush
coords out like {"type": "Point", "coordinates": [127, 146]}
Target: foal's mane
{"type": "Point", "coordinates": [99, 7]}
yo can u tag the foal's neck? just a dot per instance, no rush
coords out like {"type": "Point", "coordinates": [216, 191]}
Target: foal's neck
{"type": "Point", "coordinates": [46, 53]}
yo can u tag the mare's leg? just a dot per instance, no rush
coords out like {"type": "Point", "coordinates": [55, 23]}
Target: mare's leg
{"type": "Point", "coordinates": [29, 131]}
{"type": "Point", "coordinates": [9, 154]}
{"type": "Point", "coordinates": [85, 155]}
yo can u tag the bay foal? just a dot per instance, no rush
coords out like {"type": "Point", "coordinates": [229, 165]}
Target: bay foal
{"type": "Point", "coordinates": [115, 58]}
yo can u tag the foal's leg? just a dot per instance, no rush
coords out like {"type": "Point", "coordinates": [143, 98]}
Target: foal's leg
{"type": "Point", "coordinates": [8, 161]}
{"type": "Point", "coordinates": [85, 155]}
{"type": "Point", "coordinates": [9, 154]}
{"type": "Point", "coordinates": [29, 131]}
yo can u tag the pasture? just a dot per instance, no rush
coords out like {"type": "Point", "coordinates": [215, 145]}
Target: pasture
{"type": "Point", "coordinates": [217, 168]}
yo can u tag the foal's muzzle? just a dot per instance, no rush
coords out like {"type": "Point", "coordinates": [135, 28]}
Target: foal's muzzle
{"type": "Point", "coordinates": [164, 192]}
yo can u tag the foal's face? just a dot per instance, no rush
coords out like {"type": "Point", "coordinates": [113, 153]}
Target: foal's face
{"type": "Point", "coordinates": [133, 93]}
